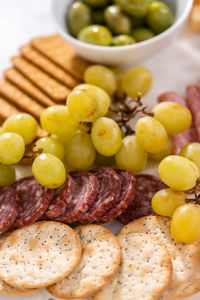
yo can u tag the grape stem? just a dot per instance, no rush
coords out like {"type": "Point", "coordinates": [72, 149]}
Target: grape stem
{"type": "Point", "coordinates": [126, 112]}
{"type": "Point", "coordinates": [195, 193]}
{"type": "Point", "coordinates": [33, 154]}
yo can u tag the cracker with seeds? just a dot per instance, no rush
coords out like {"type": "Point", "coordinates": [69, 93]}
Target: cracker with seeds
{"type": "Point", "coordinates": [20, 99]}
{"type": "Point", "coordinates": [100, 260]}
{"type": "Point", "coordinates": [7, 289]}
{"type": "Point", "coordinates": [47, 84]}
{"type": "Point", "coordinates": [57, 50]}
{"type": "Point", "coordinates": [48, 66]}
{"type": "Point", "coordinates": [144, 273]}
{"type": "Point", "coordinates": [39, 255]}
{"type": "Point", "coordinates": [26, 86]}
{"type": "Point", "coordinates": [185, 257]}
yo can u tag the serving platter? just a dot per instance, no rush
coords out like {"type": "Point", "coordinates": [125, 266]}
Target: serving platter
{"type": "Point", "coordinates": [174, 69]}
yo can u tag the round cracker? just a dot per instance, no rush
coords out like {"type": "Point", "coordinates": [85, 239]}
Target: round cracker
{"type": "Point", "coordinates": [39, 255]}
{"type": "Point", "coordinates": [100, 260]}
{"type": "Point", "coordinates": [144, 273]}
{"type": "Point", "coordinates": [185, 257]}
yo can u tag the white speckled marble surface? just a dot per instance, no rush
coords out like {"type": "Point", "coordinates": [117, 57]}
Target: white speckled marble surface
{"type": "Point", "coordinates": [177, 66]}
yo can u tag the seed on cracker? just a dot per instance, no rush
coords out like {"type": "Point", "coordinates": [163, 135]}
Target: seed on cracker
{"type": "Point", "coordinates": [144, 272]}
{"type": "Point", "coordinates": [100, 260]}
{"type": "Point", "coordinates": [7, 109]}
{"type": "Point", "coordinates": [20, 99]}
{"type": "Point", "coordinates": [39, 255]}
{"type": "Point", "coordinates": [48, 66]}
{"type": "Point", "coordinates": [26, 86]}
{"type": "Point", "coordinates": [185, 257]}
{"type": "Point", "coordinates": [47, 84]}
{"type": "Point", "coordinates": [57, 50]}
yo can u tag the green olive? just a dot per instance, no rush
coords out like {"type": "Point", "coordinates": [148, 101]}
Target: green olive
{"type": "Point", "coordinates": [122, 40]}
{"type": "Point", "coordinates": [97, 3]}
{"type": "Point", "coordinates": [116, 20]}
{"type": "Point", "coordinates": [96, 34]}
{"type": "Point", "coordinates": [78, 17]}
{"type": "Point", "coordinates": [142, 34]}
{"type": "Point", "coordinates": [136, 8]}
{"type": "Point", "coordinates": [159, 17]}
{"type": "Point", "coordinates": [98, 16]}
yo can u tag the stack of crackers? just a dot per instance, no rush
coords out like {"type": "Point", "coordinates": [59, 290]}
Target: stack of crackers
{"type": "Point", "coordinates": [43, 75]}
{"type": "Point", "coordinates": [142, 262]}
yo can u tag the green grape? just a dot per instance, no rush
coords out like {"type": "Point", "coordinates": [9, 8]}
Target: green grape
{"type": "Point", "coordinates": [7, 175]}
{"type": "Point", "coordinates": [178, 172]}
{"type": "Point", "coordinates": [175, 117]}
{"type": "Point", "coordinates": [151, 134]}
{"type": "Point", "coordinates": [119, 75]}
{"type": "Point", "coordinates": [80, 152]}
{"type": "Point", "coordinates": [12, 148]}
{"type": "Point", "coordinates": [102, 77]}
{"type": "Point", "coordinates": [50, 145]}
{"type": "Point", "coordinates": [192, 152]}
{"type": "Point", "coordinates": [167, 150]}
{"type": "Point", "coordinates": [22, 124]}
{"type": "Point", "coordinates": [102, 160]}
{"type": "Point", "coordinates": [131, 155]}
{"type": "Point", "coordinates": [58, 120]}
{"type": "Point", "coordinates": [106, 136]}
{"type": "Point", "coordinates": [185, 225]}
{"type": "Point", "coordinates": [99, 95]}
{"type": "Point", "coordinates": [166, 201]}
{"type": "Point", "coordinates": [137, 81]}
{"type": "Point", "coordinates": [96, 34]}
{"type": "Point", "coordinates": [82, 105]}
{"type": "Point", "coordinates": [49, 170]}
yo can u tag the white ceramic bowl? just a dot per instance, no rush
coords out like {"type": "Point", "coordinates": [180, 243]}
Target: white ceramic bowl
{"type": "Point", "coordinates": [123, 55]}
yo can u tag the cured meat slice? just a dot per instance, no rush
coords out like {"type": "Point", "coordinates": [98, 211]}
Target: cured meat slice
{"type": "Point", "coordinates": [61, 198]}
{"type": "Point", "coordinates": [173, 97]}
{"type": "Point", "coordinates": [193, 102]}
{"type": "Point", "coordinates": [34, 201]}
{"type": "Point", "coordinates": [125, 198]}
{"type": "Point", "coordinates": [188, 136]}
{"type": "Point", "coordinates": [9, 207]}
{"type": "Point", "coordinates": [109, 191]}
{"type": "Point", "coordinates": [86, 190]}
{"type": "Point", "coordinates": [146, 186]}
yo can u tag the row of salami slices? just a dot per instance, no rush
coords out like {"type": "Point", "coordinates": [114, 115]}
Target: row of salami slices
{"type": "Point", "coordinates": [191, 101]}
{"type": "Point", "coordinates": [98, 196]}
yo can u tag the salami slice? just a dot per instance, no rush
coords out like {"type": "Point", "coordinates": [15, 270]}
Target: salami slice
{"type": "Point", "coordinates": [125, 198]}
{"type": "Point", "coordinates": [146, 186]}
{"type": "Point", "coordinates": [173, 97]}
{"type": "Point", "coordinates": [109, 191]}
{"type": "Point", "coordinates": [61, 198]}
{"type": "Point", "coordinates": [86, 190]}
{"type": "Point", "coordinates": [193, 102]}
{"type": "Point", "coordinates": [34, 201]}
{"type": "Point", "coordinates": [9, 207]}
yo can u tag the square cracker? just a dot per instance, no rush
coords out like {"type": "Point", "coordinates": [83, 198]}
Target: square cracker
{"type": "Point", "coordinates": [57, 50]}
{"type": "Point", "coordinates": [47, 84]}
{"type": "Point", "coordinates": [20, 99]}
{"type": "Point", "coordinates": [25, 85]}
{"type": "Point", "coordinates": [48, 66]}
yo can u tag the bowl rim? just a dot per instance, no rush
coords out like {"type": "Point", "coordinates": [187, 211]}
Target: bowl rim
{"type": "Point", "coordinates": [115, 49]}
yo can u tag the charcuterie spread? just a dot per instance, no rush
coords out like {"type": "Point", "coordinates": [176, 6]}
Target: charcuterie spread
{"type": "Point", "coordinates": [84, 135]}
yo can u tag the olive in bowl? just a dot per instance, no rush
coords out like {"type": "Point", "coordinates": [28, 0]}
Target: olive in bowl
{"type": "Point", "coordinates": [124, 53]}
